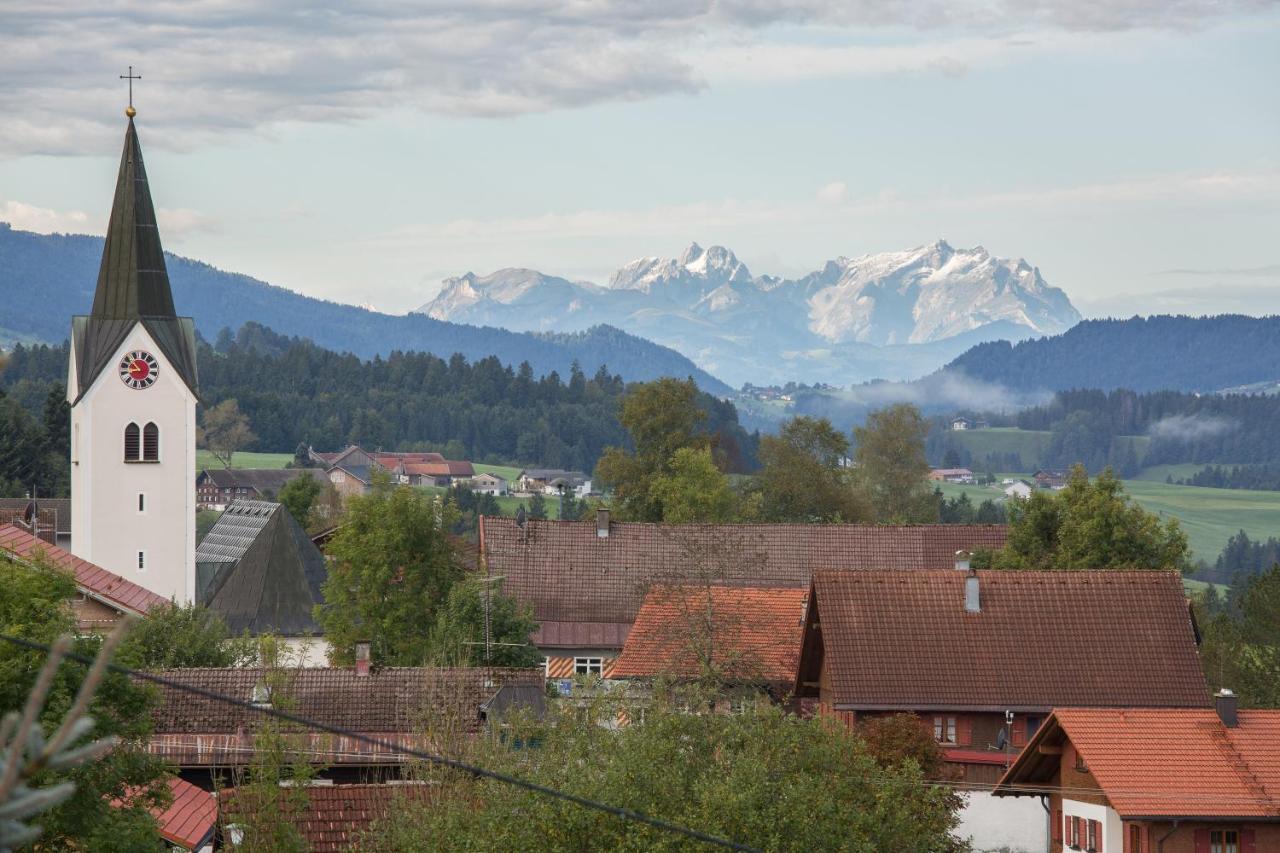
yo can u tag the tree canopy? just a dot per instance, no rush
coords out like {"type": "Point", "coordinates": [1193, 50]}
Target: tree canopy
{"type": "Point", "coordinates": [803, 475]}
{"type": "Point", "coordinates": [892, 469]}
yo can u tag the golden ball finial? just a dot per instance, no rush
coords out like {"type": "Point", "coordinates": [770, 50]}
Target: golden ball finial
{"type": "Point", "coordinates": [130, 111]}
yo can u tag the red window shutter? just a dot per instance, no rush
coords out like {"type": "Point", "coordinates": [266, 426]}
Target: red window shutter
{"type": "Point", "coordinates": [1066, 830]}
{"type": "Point", "coordinates": [1248, 842]}
{"type": "Point", "coordinates": [1019, 731]}
{"type": "Point", "coordinates": [1057, 825]}
{"type": "Point", "coordinates": [1202, 841]}
{"type": "Point", "coordinates": [964, 731]}
{"type": "Point", "coordinates": [1097, 835]}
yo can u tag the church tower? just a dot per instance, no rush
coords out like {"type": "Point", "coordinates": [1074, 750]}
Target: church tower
{"type": "Point", "coordinates": [132, 388]}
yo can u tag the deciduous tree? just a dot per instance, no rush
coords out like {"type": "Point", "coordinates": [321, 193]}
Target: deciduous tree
{"type": "Point", "coordinates": [803, 475]}
{"type": "Point", "coordinates": [224, 430]}
{"type": "Point", "coordinates": [891, 467]}
{"type": "Point", "coordinates": [692, 489]}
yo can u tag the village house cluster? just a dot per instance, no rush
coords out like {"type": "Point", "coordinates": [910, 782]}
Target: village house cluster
{"type": "Point", "coordinates": [1070, 707]}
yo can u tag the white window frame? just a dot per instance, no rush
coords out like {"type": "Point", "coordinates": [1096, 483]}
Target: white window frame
{"type": "Point", "coordinates": [944, 729]}
{"type": "Point", "coordinates": [588, 666]}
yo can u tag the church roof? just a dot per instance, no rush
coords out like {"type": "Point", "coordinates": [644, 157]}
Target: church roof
{"type": "Point", "coordinates": [133, 284]}
{"type": "Point", "coordinates": [258, 570]}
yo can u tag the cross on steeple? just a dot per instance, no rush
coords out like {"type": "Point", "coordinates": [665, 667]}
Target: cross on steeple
{"type": "Point", "coordinates": [131, 112]}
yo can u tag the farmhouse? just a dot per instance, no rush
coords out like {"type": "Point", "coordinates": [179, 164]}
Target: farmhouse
{"type": "Point", "coordinates": [983, 657]}
{"type": "Point", "coordinates": [1141, 780]}
{"type": "Point", "coordinates": [550, 481]}
{"type": "Point", "coordinates": [217, 488]}
{"type": "Point", "coordinates": [488, 484]}
{"type": "Point", "coordinates": [951, 475]}
{"type": "Point", "coordinates": [586, 580]}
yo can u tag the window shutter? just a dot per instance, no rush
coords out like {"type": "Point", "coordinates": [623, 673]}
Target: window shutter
{"type": "Point", "coordinates": [964, 731]}
{"type": "Point", "coordinates": [1202, 841]}
{"type": "Point", "coordinates": [151, 443]}
{"type": "Point", "coordinates": [1248, 842]}
{"type": "Point", "coordinates": [1097, 834]}
{"type": "Point", "coordinates": [1019, 731]}
{"type": "Point", "coordinates": [1056, 831]}
{"type": "Point", "coordinates": [132, 443]}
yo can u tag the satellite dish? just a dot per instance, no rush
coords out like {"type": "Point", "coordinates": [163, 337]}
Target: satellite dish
{"type": "Point", "coordinates": [520, 517]}
{"type": "Point", "coordinates": [30, 513]}
{"type": "Point", "coordinates": [1002, 739]}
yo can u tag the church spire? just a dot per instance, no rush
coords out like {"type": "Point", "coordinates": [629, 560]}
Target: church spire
{"type": "Point", "coordinates": [132, 281]}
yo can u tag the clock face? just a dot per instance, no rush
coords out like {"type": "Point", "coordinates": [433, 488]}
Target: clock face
{"type": "Point", "coordinates": [139, 369]}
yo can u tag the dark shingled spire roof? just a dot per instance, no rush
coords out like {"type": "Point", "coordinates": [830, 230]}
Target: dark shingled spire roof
{"type": "Point", "coordinates": [133, 285]}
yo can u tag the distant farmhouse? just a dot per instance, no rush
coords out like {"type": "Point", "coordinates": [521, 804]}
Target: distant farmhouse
{"type": "Point", "coordinates": [550, 481]}
{"type": "Point", "coordinates": [351, 469]}
{"type": "Point", "coordinates": [217, 488]}
{"type": "Point", "coordinates": [952, 475]}
{"type": "Point", "coordinates": [1055, 480]}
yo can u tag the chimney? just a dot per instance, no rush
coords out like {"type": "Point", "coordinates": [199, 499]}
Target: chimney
{"type": "Point", "coordinates": [602, 523]}
{"type": "Point", "coordinates": [362, 658]}
{"type": "Point", "coordinates": [1225, 700]}
{"type": "Point", "coordinates": [972, 603]}
{"type": "Point", "coordinates": [962, 561]}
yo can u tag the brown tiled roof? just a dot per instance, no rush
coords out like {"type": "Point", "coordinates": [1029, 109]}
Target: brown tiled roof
{"type": "Point", "coordinates": [335, 817]}
{"type": "Point", "coordinates": [442, 468]}
{"type": "Point", "coordinates": [1041, 640]}
{"type": "Point", "coordinates": [402, 705]}
{"type": "Point", "coordinates": [749, 634]}
{"type": "Point", "coordinates": [393, 699]}
{"type": "Point", "coordinates": [570, 574]}
{"type": "Point", "coordinates": [581, 635]}
{"type": "Point", "coordinates": [92, 580]}
{"type": "Point", "coordinates": [1166, 762]}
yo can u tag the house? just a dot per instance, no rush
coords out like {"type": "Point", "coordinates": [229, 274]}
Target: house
{"type": "Point", "coordinates": [1055, 480]}
{"type": "Point", "coordinates": [350, 455]}
{"type": "Point", "coordinates": [443, 473]}
{"type": "Point", "coordinates": [406, 707]}
{"type": "Point", "coordinates": [961, 423]}
{"type": "Point", "coordinates": [351, 479]}
{"type": "Point", "coordinates": [259, 570]}
{"type": "Point", "coordinates": [190, 821]}
{"type": "Point", "coordinates": [586, 580]}
{"type": "Point", "coordinates": [951, 475]}
{"type": "Point", "coordinates": [983, 657]}
{"type": "Point", "coordinates": [53, 517]}
{"type": "Point", "coordinates": [331, 818]}
{"type": "Point", "coordinates": [103, 597]}
{"type": "Point", "coordinates": [549, 481]}
{"type": "Point", "coordinates": [748, 636]}
{"type": "Point", "coordinates": [217, 488]}
{"type": "Point", "coordinates": [1019, 489]}
{"type": "Point", "coordinates": [1142, 780]}
{"type": "Point", "coordinates": [488, 484]}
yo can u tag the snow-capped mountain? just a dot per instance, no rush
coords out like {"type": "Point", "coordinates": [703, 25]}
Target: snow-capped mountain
{"type": "Point", "coordinates": [893, 315]}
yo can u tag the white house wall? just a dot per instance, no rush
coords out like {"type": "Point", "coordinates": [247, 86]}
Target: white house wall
{"type": "Point", "coordinates": [1112, 825]}
{"type": "Point", "coordinates": [1005, 824]}
{"type": "Point", "coordinates": [109, 530]}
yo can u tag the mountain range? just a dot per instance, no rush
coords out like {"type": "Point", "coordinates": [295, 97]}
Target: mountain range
{"type": "Point", "coordinates": [45, 279]}
{"type": "Point", "coordinates": [893, 315]}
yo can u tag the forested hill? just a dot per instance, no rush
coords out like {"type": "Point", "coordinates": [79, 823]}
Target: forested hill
{"type": "Point", "coordinates": [1196, 354]}
{"type": "Point", "coordinates": [294, 391]}
{"type": "Point", "coordinates": [45, 279]}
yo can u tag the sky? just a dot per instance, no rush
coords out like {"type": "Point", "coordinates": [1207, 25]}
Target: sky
{"type": "Point", "coordinates": [1130, 149]}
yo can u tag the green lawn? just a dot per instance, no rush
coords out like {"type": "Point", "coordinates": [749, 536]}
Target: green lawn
{"type": "Point", "coordinates": [1028, 444]}
{"type": "Point", "coordinates": [1158, 473]}
{"type": "Point", "coordinates": [244, 459]}
{"type": "Point", "coordinates": [506, 472]}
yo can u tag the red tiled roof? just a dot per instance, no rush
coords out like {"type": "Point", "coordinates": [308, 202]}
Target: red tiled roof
{"type": "Point", "coordinates": [749, 633]}
{"type": "Point", "coordinates": [189, 821]}
{"type": "Point", "coordinates": [1168, 762]}
{"type": "Point", "coordinates": [91, 579]}
{"type": "Point", "coordinates": [903, 640]}
{"type": "Point", "coordinates": [442, 468]}
{"type": "Point", "coordinates": [581, 635]}
{"type": "Point", "coordinates": [568, 573]}
{"type": "Point", "coordinates": [336, 817]}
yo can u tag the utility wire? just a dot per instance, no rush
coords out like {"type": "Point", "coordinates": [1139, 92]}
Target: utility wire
{"type": "Point", "coordinates": [480, 772]}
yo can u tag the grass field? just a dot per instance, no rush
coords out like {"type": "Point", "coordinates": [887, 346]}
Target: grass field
{"type": "Point", "coordinates": [506, 472]}
{"type": "Point", "coordinates": [1158, 473]}
{"type": "Point", "coordinates": [1209, 516]}
{"type": "Point", "coordinates": [1028, 444]}
{"type": "Point", "coordinates": [244, 459]}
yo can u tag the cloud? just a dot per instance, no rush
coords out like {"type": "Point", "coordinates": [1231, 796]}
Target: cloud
{"type": "Point", "coordinates": [42, 220]}
{"type": "Point", "coordinates": [214, 66]}
{"type": "Point", "coordinates": [836, 192]}
{"type": "Point", "coordinates": [1192, 427]}
{"type": "Point", "coordinates": [177, 223]}
{"type": "Point", "coordinates": [1268, 271]}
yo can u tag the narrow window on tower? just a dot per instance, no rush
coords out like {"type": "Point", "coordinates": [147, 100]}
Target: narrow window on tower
{"type": "Point", "coordinates": [132, 443]}
{"type": "Point", "coordinates": [142, 503]}
{"type": "Point", "coordinates": [151, 443]}
{"type": "Point", "coordinates": [142, 561]}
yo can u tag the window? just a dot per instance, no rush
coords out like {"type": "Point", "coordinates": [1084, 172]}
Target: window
{"type": "Point", "coordinates": [151, 443]}
{"type": "Point", "coordinates": [132, 443]}
{"type": "Point", "coordinates": [588, 666]}
{"type": "Point", "coordinates": [944, 729]}
{"type": "Point", "coordinates": [1091, 835]}
{"type": "Point", "coordinates": [142, 561]}
{"type": "Point", "coordinates": [1224, 841]}
{"type": "Point", "coordinates": [142, 502]}
{"type": "Point", "coordinates": [1033, 726]}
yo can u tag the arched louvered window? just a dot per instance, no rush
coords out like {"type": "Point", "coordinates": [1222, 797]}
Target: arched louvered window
{"type": "Point", "coordinates": [151, 443]}
{"type": "Point", "coordinates": [132, 443]}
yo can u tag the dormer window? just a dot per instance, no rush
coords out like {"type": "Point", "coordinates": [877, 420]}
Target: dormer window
{"type": "Point", "coordinates": [132, 443]}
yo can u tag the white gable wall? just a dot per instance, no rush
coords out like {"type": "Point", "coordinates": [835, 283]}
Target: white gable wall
{"type": "Point", "coordinates": [108, 529]}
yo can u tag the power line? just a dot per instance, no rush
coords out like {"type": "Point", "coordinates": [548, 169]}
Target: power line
{"type": "Point", "coordinates": [480, 772]}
